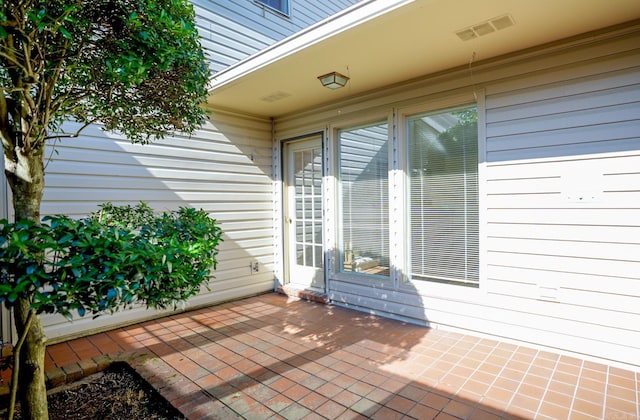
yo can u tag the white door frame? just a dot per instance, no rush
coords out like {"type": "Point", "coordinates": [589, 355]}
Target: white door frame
{"type": "Point", "coordinates": [304, 239]}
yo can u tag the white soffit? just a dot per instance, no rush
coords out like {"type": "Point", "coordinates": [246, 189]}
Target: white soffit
{"type": "Point", "coordinates": [382, 42]}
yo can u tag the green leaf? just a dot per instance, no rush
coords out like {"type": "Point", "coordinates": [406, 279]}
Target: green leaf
{"type": "Point", "coordinates": [65, 33]}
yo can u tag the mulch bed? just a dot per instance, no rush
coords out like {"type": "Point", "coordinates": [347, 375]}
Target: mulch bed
{"type": "Point", "coordinates": [117, 393]}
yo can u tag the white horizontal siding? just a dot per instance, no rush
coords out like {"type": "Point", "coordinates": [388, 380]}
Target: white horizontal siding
{"type": "Point", "coordinates": [560, 199]}
{"type": "Point", "coordinates": [596, 115]}
{"type": "Point", "coordinates": [4, 193]}
{"type": "Point", "coordinates": [224, 168]}
{"type": "Point", "coordinates": [6, 320]}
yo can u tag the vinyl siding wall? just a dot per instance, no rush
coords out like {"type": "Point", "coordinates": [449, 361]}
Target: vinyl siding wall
{"type": "Point", "coordinates": [6, 321]}
{"type": "Point", "coordinates": [231, 30]}
{"type": "Point", "coordinates": [224, 168]}
{"type": "Point", "coordinates": [559, 199]}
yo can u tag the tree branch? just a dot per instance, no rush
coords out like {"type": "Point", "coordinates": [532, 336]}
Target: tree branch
{"type": "Point", "coordinates": [13, 61]}
{"type": "Point", "coordinates": [16, 364]}
{"type": "Point", "coordinates": [4, 123]}
{"type": "Point", "coordinates": [72, 135]}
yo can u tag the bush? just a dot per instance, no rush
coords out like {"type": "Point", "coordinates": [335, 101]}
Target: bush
{"type": "Point", "coordinates": [117, 256]}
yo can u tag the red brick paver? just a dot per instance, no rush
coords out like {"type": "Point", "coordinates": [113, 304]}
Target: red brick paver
{"type": "Point", "coordinates": [273, 357]}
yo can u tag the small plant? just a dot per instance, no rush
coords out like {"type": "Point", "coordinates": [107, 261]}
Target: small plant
{"type": "Point", "coordinates": [118, 256]}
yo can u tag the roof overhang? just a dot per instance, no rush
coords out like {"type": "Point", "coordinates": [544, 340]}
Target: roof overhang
{"type": "Point", "coordinates": [380, 43]}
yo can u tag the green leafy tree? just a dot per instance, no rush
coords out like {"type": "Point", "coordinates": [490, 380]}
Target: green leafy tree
{"type": "Point", "coordinates": [116, 257]}
{"type": "Point", "coordinates": [133, 66]}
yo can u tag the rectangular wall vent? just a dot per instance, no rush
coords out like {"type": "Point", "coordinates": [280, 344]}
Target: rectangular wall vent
{"type": "Point", "coordinates": [485, 28]}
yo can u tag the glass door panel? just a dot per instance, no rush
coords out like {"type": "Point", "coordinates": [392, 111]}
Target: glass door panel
{"type": "Point", "coordinates": [304, 213]}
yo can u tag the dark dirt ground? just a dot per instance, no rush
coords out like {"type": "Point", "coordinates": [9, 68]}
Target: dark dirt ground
{"type": "Point", "coordinates": [118, 393]}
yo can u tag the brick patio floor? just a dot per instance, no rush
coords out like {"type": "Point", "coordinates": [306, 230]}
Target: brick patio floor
{"type": "Point", "coordinates": [272, 357]}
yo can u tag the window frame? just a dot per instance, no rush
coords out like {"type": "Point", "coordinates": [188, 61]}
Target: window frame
{"type": "Point", "coordinates": [286, 12]}
{"type": "Point", "coordinates": [443, 205]}
{"type": "Point", "coordinates": [340, 204]}
{"type": "Point", "coordinates": [371, 118]}
{"type": "Point", "coordinates": [403, 112]}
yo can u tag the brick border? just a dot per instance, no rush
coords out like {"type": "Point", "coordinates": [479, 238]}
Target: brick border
{"type": "Point", "coordinates": [70, 373]}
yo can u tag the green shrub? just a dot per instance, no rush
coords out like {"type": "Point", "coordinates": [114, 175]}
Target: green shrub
{"type": "Point", "coordinates": [117, 256]}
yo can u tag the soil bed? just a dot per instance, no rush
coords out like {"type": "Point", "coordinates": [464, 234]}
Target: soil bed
{"type": "Point", "coordinates": [118, 393]}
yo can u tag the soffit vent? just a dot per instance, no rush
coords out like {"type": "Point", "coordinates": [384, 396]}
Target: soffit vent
{"type": "Point", "coordinates": [484, 28]}
{"type": "Point", "coordinates": [502, 22]}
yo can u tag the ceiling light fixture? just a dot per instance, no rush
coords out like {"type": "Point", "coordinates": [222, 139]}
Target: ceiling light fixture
{"type": "Point", "coordinates": [333, 80]}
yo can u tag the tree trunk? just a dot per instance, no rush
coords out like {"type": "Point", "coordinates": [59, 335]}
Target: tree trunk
{"type": "Point", "coordinates": [27, 183]}
{"type": "Point", "coordinates": [27, 196]}
{"type": "Point", "coordinates": [32, 392]}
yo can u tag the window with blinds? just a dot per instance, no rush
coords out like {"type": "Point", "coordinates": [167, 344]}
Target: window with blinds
{"type": "Point", "coordinates": [364, 199]}
{"type": "Point", "coordinates": [443, 196]}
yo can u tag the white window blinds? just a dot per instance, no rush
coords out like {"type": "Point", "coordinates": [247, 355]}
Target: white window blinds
{"type": "Point", "coordinates": [364, 173]}
{"type": "Point", "coordinates": [443, 196]}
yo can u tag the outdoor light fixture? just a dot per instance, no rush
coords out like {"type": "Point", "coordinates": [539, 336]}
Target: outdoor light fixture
{"type": "Point", "coordinates": [333, 80]}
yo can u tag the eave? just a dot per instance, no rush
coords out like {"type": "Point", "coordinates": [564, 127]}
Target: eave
{"type": "Point", "coordinates": [379, 43]}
